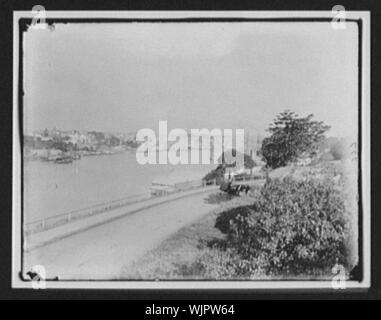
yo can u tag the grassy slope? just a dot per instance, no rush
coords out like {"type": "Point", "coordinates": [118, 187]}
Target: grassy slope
{"type": "Point", "coordinates": [172, 258]}
{"type": "Point", "coordinates": [175, 257]}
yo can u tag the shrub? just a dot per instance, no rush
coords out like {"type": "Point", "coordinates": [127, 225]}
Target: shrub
{"type": "Point", "coordinates": [223, 220]}
{"type": "Point", "coordinates": [216, 174]}
{"type": "Point", "coordinates": [220, 264]}
{"type": "Point", "coordinates": [292, 227]}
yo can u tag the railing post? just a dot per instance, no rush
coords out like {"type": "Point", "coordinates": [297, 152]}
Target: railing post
{"type": "Point", "coordinates": [43, 224]}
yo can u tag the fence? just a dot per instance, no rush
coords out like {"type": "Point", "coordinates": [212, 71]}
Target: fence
{"type": "Point", "coordinates": [64, 218]}
{"type": "Point", "coordinates": [55, 221]}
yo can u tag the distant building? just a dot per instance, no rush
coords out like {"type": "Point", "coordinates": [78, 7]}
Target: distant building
{"type": "Point", "coordinates": [78, 138]}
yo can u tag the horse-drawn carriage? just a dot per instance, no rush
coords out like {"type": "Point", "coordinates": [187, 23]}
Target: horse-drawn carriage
{"type": "Point", "coordinates": [226, 184]}
{"type": "Point", "coordinates": [234, 189]}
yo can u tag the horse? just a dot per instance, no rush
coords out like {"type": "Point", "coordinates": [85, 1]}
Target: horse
{"type": "Point", "coordinates": [235, 190]}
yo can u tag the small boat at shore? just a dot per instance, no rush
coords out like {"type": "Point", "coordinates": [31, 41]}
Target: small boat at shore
{"type": "Point", "coordinates": [62, 160]}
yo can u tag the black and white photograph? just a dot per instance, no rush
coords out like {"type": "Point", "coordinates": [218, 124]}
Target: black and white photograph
{"type": "Point", "coordinates": [207, 150]}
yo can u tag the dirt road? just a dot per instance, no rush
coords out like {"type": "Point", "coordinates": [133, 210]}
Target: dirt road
{"type": "Point", "coordinates": [101, 252]}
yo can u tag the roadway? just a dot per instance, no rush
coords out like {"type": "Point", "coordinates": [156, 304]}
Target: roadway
{"type": "Point", "coordinates": [102, 251]}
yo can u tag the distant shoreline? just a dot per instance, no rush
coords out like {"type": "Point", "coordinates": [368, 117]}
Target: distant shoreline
{"type": "Point", "coordinates": [35, 154]}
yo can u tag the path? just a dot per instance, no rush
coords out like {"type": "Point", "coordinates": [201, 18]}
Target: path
{"type": "Point", "coordinates": [101, 252]}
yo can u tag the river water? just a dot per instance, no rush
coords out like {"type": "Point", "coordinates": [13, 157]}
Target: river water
{"type": "Point", "coordinates": [51, 189]}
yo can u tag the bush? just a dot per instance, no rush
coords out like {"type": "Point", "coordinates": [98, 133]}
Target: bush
{"type": "Point", "coordinates": [223, 220]}
{"type": "Point", "coordinates": [216, 174]}
{"type": "Point", "coordinates": [217, 264]}
{"type": "Point", "coordinates": [293, 227]}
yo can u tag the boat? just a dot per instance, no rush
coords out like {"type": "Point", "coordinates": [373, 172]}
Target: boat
{"type": "Point", "coordinates": [93, 153]}
{"type": "Point", "coordinates": [76, 156]}
{"type": "Point", "coordinates": [64, 159]}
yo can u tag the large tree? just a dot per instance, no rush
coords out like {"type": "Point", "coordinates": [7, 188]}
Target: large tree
{"type": "Point", "coordinates": [291, 137]}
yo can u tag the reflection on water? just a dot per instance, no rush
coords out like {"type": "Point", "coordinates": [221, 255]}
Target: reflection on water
{"type": "Point", "coordinates": [51, 189]}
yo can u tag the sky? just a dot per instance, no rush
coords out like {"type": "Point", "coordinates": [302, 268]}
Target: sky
{"type": "Point", "coordinates": [127, 76]}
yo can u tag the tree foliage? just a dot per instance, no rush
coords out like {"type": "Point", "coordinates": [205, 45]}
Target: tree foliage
{"type": "Point", "coordinates": [291, 137]}
{"type": "Point", "coordinates": [247, 160]}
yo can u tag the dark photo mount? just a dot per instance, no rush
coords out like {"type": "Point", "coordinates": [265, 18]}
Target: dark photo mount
{"type": "Point", "coordinates": [358, 274]}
